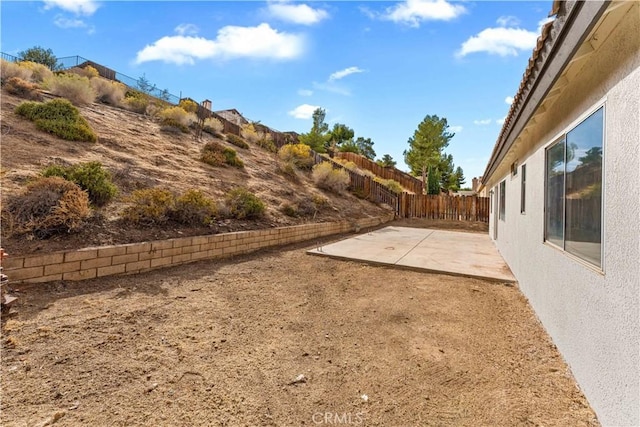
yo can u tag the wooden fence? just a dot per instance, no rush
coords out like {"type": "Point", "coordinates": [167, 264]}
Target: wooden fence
{"type": "Point", "coordinates": [458, 208]}
{"type": "Point", "coordinates": [409, 182]}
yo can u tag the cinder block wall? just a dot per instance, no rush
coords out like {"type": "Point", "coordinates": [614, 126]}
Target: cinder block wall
{"type": "Point", "coordinates": [139, 257]}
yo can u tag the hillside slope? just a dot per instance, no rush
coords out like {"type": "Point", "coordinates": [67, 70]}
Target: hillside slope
{"type": "Point", "coordinates": [139, 155]}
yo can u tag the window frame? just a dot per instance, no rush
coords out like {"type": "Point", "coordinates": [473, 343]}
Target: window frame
{"type": "Point", "coordinates": [502, 200]}
{"type": "Point", "coordinates": [561, 137]}
{"type": "Point", "coordinates": [523, 189]}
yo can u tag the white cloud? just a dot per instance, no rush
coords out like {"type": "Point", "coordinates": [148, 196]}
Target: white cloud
{"type": "Point", "coordinates": [501, 121]}
{"type": "Point", "coordinates": [332, 87]}
{"type": "Point", "coordinates": [186, 29]}
{"type": "Point", "coordinates": [499, 41]}
{"type": "Point", "coordinates": [455, 129]}
{"type": "Point", "coordinates": [304, 111]}
{"type": "Point", "coordinates": [231, 42]}
{"type": "Point", "coordinates": [344, 73]}
{"type": "Point", "coordinates": [509, 100]}
{"type": "Point", "coordinates": [482, 122]}
{"type": "Point", "coordinates": [296, 13]}
{"type": "Point", "coordinates": [79, 7]}
{"type": "Point", "coordinates": [305, 92]}
{"type": "Point", "coordinates": [413, 12]}
{"type": "Point", "coordinates": [508, 21]}
{"type": "Point", "coordinates": [62, 22]}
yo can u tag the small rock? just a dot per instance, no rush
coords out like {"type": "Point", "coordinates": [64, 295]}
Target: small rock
{"type": "Point", "coordinates": [299, 380]}
{"type": "Point", "coordinates": [152, 387]}
{"type": "Point", "coordinates": [364, 398]}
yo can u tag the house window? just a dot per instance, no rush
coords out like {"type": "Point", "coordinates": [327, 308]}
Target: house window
{"type": "Point", "coordinates": [502, 195]}
{"type": "Point", "coordinates": [573, 208]}
{"type": "Point", "coordinates": [523, 188]}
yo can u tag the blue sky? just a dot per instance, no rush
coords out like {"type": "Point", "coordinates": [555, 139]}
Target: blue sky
{"type": "Point", "coordinates": [378, 67]}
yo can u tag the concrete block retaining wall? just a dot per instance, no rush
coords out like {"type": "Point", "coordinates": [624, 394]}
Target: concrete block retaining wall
{"type": "Point", "coordinates": [132, 258]}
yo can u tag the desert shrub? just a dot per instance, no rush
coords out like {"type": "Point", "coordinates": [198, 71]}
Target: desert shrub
{"type": "Point", "coordinates": [298, 154]}
{"type": "Point", "coordinates": [176, 116]}
{"type": "Point", "coordinates": [213, 125]}
{"type": "Point", "coordinates": [288, 170]}
{"type": "Point", "coordinates": [39, 72]}
{"type": "Point", "coordinates": [76, 89]}
{"type": "Point", "coordinates": [108, 92]}
{"type": "Point", "coordinates": [188, 105]}
{"type": "Point", "coordinates": [58, 117]}
{"type": "Point", "coordinates": [216, 154]}
{"type": "Point", "coordinates": [261, 139]}
{"type": "Point", "coordinates": [149, 206]}
{"type": "Point", "coordinates": [320, 201]}
{"type": "Point", "coordinates": [91, 177]}
{"type": "Point", "coordinates": [241, 204]}
{"type": "Point", "coordinates": [393, 185]}
{"type": "Point", "coordinates": [289, 209]}
{"type": "Point", "coordinates": [328, 178]}
{"type": "Point", "coordinates": [49, 206]}
{"type": "Point", "coordinates": [237, 141]}
{"type": "Point", "coordinates": [193, 207]}
{"type": "Point", "coordinates": [11, 69]}
{"type": "Point", "coordinates": [136, 101]}
{"type": "Point", "coordinates": [22, 88]}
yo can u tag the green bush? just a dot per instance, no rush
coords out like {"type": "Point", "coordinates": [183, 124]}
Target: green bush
{"type": "Point", "coordinates": [73, 87]}
{"type": "Point", "coordinates": [216, 154]}
{"type": "Point", "coordinates": [49, 206]}
{"type": "Point", "coordinates": [193, 207]}
{"type": "Point", "coordinates": [58, 117]}
{"type": "Point", "coordinates": [237, 141]}
{"type": "Point", "coordinates": [150, 206]}
{"type": "Point", "coordinates": [91, 177]}
{"type": "Point", "coordinates": [298, 154]}
{"type": "Point", "coordinates": [328, 178]}
{"type": "Point", "coordinates": [242, 204]}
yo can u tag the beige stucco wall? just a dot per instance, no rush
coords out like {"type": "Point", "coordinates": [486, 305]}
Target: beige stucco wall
{"type": "Point", "coordinates": [593, 316]}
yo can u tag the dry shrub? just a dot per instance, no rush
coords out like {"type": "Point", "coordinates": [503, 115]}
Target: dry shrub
{"type": "Point", "coordinates": [88, 71]}
{"type": "Point", "coordinates": [75, 88]}
{"type": "Point", "coordinates": [216, 154]}
{"type": "Point", "coordinates": [328, 178]}
{"type": "Point", "coordinates": [49, 206]}
{"type": "Point", "coordinates": [213, 125]}
{"type": "Point", "coordinates": [290, 209]}
{"type": "Point", "coordinates": [58, 117]}
{"type": "Point", "coordinates": [193, 207]}
{"type": "Point", "coordinates": [177, 117]}
{"type": "Point", "coordinates": [288, 170]}
{"type": "Point", "coordinates": [108, 92]}
{"type": "Point", "coordinates": [298, 154]}
{"type": "Point", "coordinates": [22, 88]}
{"type": "Point", "coordinates": [136, 101]}
{"type": "Point", "coordinates": [149, 206]}
{"type": "Point", "coordinates": [39, 72]}
{"type": "Point", "coordinates": [261, 139]}
{"type": "Point", "coordinates": [237, 141]}
{"type": "Point", "coordinates": [188, 105]}
{"type": "Point", "coordinates": [391, 184]}
{"type": "Point", "coordinates": [243, 204]}
{"type": "Point", "coordinates": [13, 69]}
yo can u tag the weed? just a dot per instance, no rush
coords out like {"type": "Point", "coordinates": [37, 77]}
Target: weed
{"type": "Point", "coordinates": [108, 92]}
{"type": "Point", "coordinates": [76, 89]}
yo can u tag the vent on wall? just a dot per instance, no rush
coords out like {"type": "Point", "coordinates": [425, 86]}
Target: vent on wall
{"type": "Point", "coordinates": [514, 168]}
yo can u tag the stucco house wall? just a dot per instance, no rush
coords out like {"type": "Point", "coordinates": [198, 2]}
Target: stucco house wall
{"type": "Point", "coordinates": [592, 314]}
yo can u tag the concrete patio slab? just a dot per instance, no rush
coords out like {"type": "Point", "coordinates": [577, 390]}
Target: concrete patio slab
{"type": "Point", "coordinates": [440, 251]}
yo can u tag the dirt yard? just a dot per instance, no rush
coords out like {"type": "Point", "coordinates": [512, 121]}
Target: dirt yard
{"type": "Point", "coordinates": [282, 338]}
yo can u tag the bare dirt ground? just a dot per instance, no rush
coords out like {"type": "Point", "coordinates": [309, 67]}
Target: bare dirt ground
{"type": "Point", "coordinates": [282, 338]}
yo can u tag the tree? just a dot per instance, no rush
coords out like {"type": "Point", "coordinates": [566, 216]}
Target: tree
{"type": "Point", "coordinates": [426, 145]}
{"type": "Point", "coordinates": [40, 55]}
{"type": "Point", "coordinates": [317, 136]}
{"type": "Point", "coordinates": [340, 134]}
{"type": "Point", "coordinates": [144, 85]}
{"type": "Point", "coordinates": [387, 161]}
{"type": "Point", "coordinates": [446, 169]}
{"type": "Point", "coordinates": [362, 146]}
{"type": "Point", "coordinates": [433, 186]}
{"type": "Point", "coordinates": [459, 178]}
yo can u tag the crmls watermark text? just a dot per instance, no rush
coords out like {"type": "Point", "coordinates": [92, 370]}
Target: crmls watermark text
{"type": "Point", "coordinates": [336, 418]}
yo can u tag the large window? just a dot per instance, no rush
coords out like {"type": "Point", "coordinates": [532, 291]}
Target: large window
{"type": "Point", "coordinates": [502, 195]}
{"type": "Point", "coordinates": [573, 209]}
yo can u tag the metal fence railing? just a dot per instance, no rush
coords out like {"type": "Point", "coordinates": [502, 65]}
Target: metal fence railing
{"type": "Point", "coordinates": [8, 57]}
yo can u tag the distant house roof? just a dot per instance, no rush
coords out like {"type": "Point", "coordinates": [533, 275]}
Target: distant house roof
{"type": "Point", "coordinates": [559, 41]}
